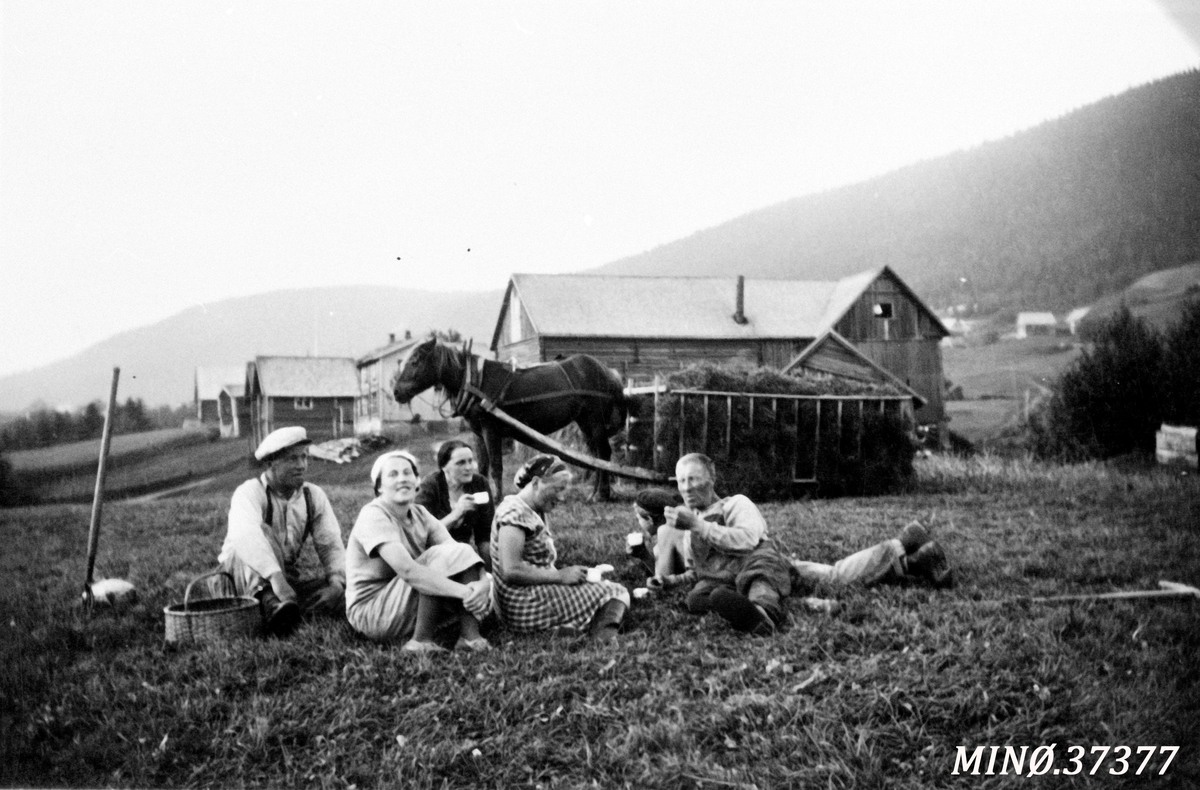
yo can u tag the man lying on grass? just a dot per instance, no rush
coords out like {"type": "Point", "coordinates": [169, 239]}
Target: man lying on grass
{"type": "Point", "coordinates": [745, 580]}
{"type": "Point", "coordinates": [270, 517]}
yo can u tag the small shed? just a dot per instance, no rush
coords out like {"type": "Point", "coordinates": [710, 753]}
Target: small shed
{"type": "Point", "coordinates": [317, 393]}
{"type": "Point", "coordinates": [376, 410]}
{"type": "Point", "coordinates": [209, 382]}
{"type": "Point", "coordinates": [1036, 324]}
{"type": "Point", "coordinates": [232, 410]}
{"type": "Point", "coordinates": [641, 326]}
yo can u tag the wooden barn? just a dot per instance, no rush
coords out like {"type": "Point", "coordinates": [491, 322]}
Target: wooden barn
{"type": "Point", "coordinates": [317, 393]}
{"type": "Point", "coordinates": [645, 325]}
{"type": "Point", "coordinates": [376, 410]}
{"type": "Point", "coordinates": [209, 383]}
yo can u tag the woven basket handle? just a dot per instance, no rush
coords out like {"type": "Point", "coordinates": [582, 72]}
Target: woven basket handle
{"type": "Point", "coordinates": [187, 594]}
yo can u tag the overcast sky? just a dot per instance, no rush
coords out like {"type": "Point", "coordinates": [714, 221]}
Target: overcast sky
{"type": "Point", "coordinates": [155, 156]}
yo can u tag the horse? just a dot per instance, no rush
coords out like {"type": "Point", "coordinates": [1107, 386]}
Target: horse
{"type": "Point", "coordinates": [546, 397]}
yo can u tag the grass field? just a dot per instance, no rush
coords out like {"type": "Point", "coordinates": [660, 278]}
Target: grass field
{"type": "Point", "coordinates": [1008, 368]}
{"type": "Point", "coordinates": [880, 695]}
{"type": "Point", "coordinates": [76, 456]}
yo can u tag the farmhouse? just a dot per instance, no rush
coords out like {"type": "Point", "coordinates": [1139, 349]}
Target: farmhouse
{"type": "Point", "coordinates": [1031, 324]}
{"type": "Point", "coordinates": [376, 410]}
{"type": "Point", "coordinates": [317, 393]}
{"type": "Point", "coordinates": [209, 383]}
{"type": "Point", "coordinates": [645, 325]}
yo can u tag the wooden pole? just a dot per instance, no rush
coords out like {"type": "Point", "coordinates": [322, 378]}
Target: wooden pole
{"type": "Point", "coordinates": [98, 495]}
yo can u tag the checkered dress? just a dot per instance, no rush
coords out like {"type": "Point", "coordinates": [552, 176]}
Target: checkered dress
{"type": "Point", "coordinates": [539, 607]}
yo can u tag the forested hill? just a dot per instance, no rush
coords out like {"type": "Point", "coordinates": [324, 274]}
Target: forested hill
{"type": "Point", "coordinates": [1049, 218]}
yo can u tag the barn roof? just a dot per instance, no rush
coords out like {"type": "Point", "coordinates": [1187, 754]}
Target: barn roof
{"type": "Point", "coordinates": [1036, 318]}
{"type": "Point", "coordinates": [309, 377]}
{"type": "Point", "coordinates": [376, 354]}
{"type": "Point", "coordinates": [583, 305]}
{"type": "Point", "coordinates": [210, 380]}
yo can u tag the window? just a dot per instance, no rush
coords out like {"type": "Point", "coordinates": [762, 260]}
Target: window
{"type": "Point", "coordinates": [302, 404]}
{"type": "Point", "coordinates": [882, 310]}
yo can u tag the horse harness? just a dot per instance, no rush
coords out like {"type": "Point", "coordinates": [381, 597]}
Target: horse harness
{"type": "Point", "coordinates": [479, 387]}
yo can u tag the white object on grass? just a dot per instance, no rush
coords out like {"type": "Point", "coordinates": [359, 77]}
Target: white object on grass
{"type": "Point", "coordinates": [596, 574]}
{"type": "Point", "coordinates": [1169, 589]}
{"type": "Point", "coordinates": [113, 592]}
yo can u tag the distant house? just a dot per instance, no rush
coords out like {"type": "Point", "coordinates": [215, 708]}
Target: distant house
{"type": "Point", "coordinates": [376, 410]}
{"type": "Point", "coordinates": [645, 325]}
{"type": "Point", "coordinates": [209, 382]}
{"type": "Point", "coordinates": [317, 393]}
{"type": "Point", "coordinates": [1036, 324]}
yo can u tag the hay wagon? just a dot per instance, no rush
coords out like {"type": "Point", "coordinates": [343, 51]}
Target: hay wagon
{"type": "Point", "coordinates": [775, 442]}
{"type": "Point", "coordinates": [764, 443]}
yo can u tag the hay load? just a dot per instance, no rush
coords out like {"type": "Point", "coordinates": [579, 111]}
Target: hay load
{"type": "Point", "coordinates": [774, 435]}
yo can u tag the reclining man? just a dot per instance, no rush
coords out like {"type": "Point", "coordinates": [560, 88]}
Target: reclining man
{"type": "Point", "coordinates": [270, 517]}
{"type": "Point", "coordinates": [746, 581]}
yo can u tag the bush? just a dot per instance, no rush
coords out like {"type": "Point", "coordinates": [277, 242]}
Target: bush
{"type": "Point", "coordinates": [1114, 398]}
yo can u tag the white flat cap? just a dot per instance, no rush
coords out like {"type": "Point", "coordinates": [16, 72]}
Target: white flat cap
{"type": "Point", "coordinates": [281, 439]}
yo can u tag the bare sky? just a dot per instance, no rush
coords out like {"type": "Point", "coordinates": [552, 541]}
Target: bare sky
{"type": "Point", "coordinates": [155, 156]}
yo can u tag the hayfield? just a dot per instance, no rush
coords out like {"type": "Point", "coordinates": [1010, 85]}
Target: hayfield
{"type": "Point", "coordinates": [880, 695]}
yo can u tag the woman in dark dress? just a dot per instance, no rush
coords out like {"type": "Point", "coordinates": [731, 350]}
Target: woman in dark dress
{"type": "Point", "coordinates": [460, 498]}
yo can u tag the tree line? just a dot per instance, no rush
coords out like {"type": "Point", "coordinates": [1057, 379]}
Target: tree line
{"type": "Point", "coordinates": [47, 427]}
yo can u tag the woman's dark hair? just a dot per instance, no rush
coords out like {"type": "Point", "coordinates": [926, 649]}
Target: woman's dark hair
{"type": "Point", "coordinates": [447, 449]}
{"type": "Point", "coordinates": [538, 466]}
{"type": "Point", "coordinates": [654, 501]}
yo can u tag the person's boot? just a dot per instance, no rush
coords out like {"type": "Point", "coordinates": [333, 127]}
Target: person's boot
{"type": "Point", "coordinates": [741, 612]}
{"type": "Point", "coordinates": [606, 622]}
{"type": "Point", "coordinates": [280, 618]}
{"type": "Point", "coordinates": [929, 562]}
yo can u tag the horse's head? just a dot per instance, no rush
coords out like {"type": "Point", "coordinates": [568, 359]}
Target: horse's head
{"type": "Point", "coordinates": [425, 367]}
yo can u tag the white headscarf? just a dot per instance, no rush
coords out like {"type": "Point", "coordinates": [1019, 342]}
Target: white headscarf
{"type": "Point", "coordinates": [377, 467]}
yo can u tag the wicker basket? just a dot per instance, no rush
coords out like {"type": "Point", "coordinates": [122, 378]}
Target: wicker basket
{"type": "Point", "coordinates": [211, 619]}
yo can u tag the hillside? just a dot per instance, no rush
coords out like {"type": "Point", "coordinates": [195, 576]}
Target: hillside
{"type": "Point", "coordinates": [158, 361]}
{"type": "Point", "coordinates": [1050, 218]}
{"type": "Point", "coordinates": [1157, 298]}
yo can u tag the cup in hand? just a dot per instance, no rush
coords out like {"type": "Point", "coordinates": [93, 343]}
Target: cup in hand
{"type": "Point", "coordinates": [480, 497]}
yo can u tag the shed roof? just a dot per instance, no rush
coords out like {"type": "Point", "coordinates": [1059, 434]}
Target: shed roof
{"type": "Point", "coordinates": [211, 379]}
{"type": "Point", "coordinates": [376, 354]}
{"type": "Point", "coordinates": [582, 305]}
{"type": "Point", "coordinates": [1036, 318]}
{"type": "Point", "coordinates": [310, 377]}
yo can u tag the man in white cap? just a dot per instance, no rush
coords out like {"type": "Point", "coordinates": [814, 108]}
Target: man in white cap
{"type": "Point", "coordinates": [270, 517]}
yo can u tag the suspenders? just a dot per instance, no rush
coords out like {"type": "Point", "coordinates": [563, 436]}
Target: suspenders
{"type": "Point", "coordinates": [308, 509]}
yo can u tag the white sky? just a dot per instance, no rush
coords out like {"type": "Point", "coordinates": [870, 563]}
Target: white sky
{"type": "Point", "coordinates": [154, 156]}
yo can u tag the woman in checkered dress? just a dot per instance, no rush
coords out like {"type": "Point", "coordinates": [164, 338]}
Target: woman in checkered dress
{"type": "Point", "coordinates": [531, 593]}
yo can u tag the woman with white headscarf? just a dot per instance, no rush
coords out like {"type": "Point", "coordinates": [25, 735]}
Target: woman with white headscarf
{"type": "Point", "coordinates": [406, 577]}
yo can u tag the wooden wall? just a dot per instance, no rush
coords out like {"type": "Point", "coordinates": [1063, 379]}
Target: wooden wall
{"type": "Point", "coordinates": [329, 418]}
{"type": "Point", "coordinates": [908, 321]}
{"type": "Point", "coordinates": [208, 411]}
{"type": "Point", "coordinates": [918, 363]}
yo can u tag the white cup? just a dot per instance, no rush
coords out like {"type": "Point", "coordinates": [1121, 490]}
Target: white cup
{"type": "Point", "coordinates": [635, 539]}
{"type": "Point", "coordinates": [640, 592]}
{"type": "Point", "coordinates": [480, 497]}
